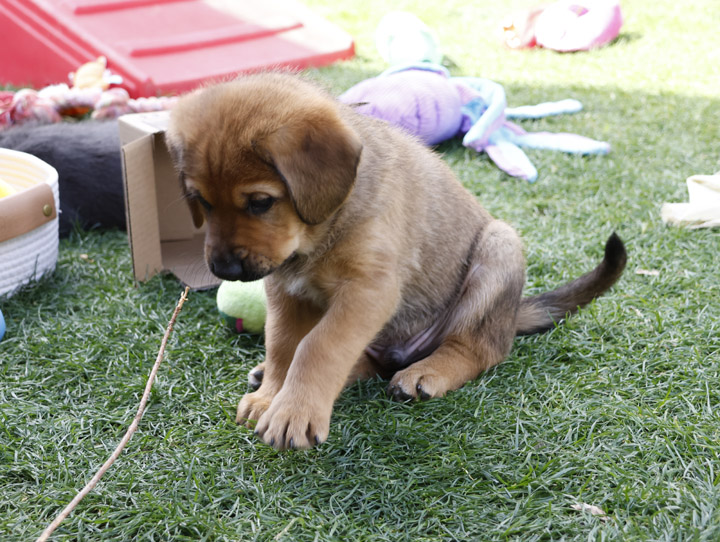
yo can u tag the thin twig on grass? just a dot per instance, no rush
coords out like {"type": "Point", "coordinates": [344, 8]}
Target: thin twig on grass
{"type": "Point", "coordinates": [128, 435]}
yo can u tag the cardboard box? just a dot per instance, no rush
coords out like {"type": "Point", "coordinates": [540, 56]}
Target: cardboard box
{"type": "Point", "coordinates": [160, 229]}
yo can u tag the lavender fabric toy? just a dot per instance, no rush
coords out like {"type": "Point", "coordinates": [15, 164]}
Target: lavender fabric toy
{"type": "Point", "coordinates": [425, 101]}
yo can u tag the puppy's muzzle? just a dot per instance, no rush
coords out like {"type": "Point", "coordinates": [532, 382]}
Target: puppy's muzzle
{"type": "Point", "coordinates": [228, 266]}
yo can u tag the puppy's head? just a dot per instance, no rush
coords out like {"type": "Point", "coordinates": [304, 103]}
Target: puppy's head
{"type": "Point", "coordinates": [263, 161]}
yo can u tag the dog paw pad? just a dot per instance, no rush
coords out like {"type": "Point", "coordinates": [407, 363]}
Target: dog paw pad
{"type": "Point", "coordinates": [422, 394]}
{"type": "Point", "coordinates": [398, 394]}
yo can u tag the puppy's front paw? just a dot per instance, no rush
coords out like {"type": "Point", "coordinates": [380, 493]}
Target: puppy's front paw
{"type": "Point", "coordinates": [416, 383]}
{"type": "Point", "coordinates": [251, 408]}
{"type": "Point", "coordinates": [294, 423]}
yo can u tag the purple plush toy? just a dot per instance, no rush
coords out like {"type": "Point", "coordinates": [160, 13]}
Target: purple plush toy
{"type": "Point", "coordinates": [425, 101]}
{"type": "Point", "coordinates": [418, 100]}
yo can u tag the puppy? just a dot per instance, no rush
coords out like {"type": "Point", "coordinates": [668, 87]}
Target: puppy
{"type": "Point", "coordinates": [376, 259]}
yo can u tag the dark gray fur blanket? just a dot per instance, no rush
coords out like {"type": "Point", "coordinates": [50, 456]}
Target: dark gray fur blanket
{"type": "Point", "coordinates": [86, 156]}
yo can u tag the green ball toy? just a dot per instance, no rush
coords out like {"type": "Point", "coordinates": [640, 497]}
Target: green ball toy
{"type": "Point", "coordinates": [243, 305]}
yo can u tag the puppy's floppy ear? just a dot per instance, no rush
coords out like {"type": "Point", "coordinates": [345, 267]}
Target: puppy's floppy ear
{"type": "Point", "coordinates": [175, 148]}
{"type": "Point", "coordinates": [195, 209]}
{"type": "Point", "coordinates": [318, 159]}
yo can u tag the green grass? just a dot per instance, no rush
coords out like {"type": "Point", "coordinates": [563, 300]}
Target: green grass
{"type": "Point", "coordinates": [618, 408]}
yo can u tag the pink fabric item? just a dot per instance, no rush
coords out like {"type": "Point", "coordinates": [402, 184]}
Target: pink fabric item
{"type": "Point", "coordinates": [55, 102]}
{"type": "Point", "coordinates": [578, 25]}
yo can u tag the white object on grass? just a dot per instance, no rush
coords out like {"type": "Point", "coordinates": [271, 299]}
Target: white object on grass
{"type": "Point", "coordinates": [703, 207]}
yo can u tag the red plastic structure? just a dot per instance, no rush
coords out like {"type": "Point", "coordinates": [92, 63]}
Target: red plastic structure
{"type": "Point", "coordinates": [161, 46]}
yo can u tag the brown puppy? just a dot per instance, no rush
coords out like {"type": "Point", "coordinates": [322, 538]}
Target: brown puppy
{"type": "Point", "coordinates": [377, 260]}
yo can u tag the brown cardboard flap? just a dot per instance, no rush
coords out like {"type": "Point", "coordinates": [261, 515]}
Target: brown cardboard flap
{"type": "Point", "coordinates": [26, 210]}
{"type": "Point", "coordinates": [160, 228]}
{"type": "Point", "coordinates": [185, 259]}
{"type": "Point", "coordinates": [140, 207]}
{"type": "Point", "coordinates": [136, 125]}
{"type": "Point", "coordinates": [175, 219]}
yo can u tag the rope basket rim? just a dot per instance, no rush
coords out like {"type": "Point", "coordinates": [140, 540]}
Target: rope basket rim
{"type": "Point", "coordinates": [28, 257]}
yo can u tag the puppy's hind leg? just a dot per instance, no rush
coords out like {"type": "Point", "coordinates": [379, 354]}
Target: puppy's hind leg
{"type": "Point", "coordinates": [483, 326]}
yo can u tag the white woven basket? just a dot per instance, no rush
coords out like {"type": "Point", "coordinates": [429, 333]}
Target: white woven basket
{"type": "Point", "coordinates": [29, 256]}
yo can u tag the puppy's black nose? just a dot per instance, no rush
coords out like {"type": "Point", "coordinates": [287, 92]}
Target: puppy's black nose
{"type": "Point", "coordinates": [226, 268]}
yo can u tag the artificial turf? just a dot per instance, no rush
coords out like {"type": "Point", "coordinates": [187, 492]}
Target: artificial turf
{"type": "Point", "coordinates": [618, 408]}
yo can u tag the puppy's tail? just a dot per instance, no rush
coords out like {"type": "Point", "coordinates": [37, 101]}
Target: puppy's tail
{"type": "Point", "coordinates": [540, 313]}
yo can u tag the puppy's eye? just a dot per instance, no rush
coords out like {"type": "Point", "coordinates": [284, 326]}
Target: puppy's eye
{"type": "Point", "coordinates": [260, 204]}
